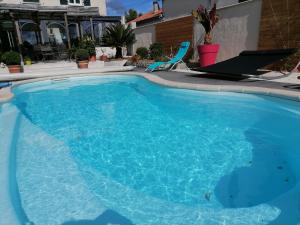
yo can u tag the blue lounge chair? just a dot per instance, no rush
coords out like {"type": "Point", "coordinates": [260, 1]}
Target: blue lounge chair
{"type": "Point", "coordinates": [184, 47]}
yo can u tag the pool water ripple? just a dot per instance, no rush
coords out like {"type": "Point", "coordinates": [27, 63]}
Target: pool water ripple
{"type": "Point", "coordinates": [155, 155]}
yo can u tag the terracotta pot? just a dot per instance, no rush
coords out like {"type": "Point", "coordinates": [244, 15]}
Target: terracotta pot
{"type": "Point", "coordinates": [83, 64]}
{"type": "Point", "coordinates": [93, 58]}
{"type": "Point", "coordinates": [15, 69]}
{"type": "Point", "coordinates": [208, 54]}
{"type": "Point", "coordinates": [104, 58]}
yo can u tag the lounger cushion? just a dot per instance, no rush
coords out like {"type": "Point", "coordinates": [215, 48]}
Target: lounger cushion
{"type": "Point", "coordinates": [248, 62]}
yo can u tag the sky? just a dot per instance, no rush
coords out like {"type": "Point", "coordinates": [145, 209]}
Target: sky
{"type": "Point", "coordinates": [118, 7]}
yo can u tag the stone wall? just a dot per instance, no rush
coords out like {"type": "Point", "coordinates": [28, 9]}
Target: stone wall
{"type": "Point", "coordinates": [145, 36]}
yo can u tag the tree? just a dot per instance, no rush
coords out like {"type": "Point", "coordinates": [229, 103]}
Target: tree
{"type": "Point", "coordinates": [131, 15]}
{"type": "Point", "coordinates": [118, 36]}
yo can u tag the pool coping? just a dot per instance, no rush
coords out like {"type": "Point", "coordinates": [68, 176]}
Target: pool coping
{"type": "Point", "coordinates": [6, 93]}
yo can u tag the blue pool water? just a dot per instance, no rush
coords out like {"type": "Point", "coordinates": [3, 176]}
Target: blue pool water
{"type": "Point", "coordinates": [121, 150]}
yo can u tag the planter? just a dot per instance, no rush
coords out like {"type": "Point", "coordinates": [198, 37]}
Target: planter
{"type": "Point", "coordinates": [15, 69]}
{"type": "Point", "coordinates": [83, 64]}
{"type": "Point", "coordinates": [92, 58]}
{"type": "Point", "coordinates": [208, 54]}
{"type": "Point", "coordinates": [104, 58]}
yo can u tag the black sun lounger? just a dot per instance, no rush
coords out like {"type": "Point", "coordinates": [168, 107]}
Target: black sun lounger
{"type": "Point", "coordinates": [248, 62]}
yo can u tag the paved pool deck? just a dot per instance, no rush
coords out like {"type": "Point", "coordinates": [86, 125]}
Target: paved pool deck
{"type": "Point", "coordinates": [63, 68]}
{"type": "Point", "coordinates": [216, 80]}
{"type": "Point", "coordinates": [276, 84]}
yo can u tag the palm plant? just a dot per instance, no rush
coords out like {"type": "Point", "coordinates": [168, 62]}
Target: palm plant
{"type": "Point", "coordinates": [118, 36]}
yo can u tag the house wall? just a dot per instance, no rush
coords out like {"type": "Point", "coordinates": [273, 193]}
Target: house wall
{"type": "Point", "coordinates": [101, 4]}
{"type": "Point", "coordinates": [145, 36]}
{"type": "Point", "coordinates": [95, 3]}
{"type": "Point", "coordinates": [237, 30]}
{"type": "Point", "coordinates": [180, 8]}
{"type": "Point", "coordinates": [11, 1]}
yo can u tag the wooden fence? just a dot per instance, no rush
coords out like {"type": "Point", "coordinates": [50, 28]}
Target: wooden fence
{"type": "Point", "coordinates": [172, 33]}
{"type": "Point", "coordinates": [280, 28]}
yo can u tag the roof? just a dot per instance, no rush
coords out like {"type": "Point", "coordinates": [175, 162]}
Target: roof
{"type": "Point", "coordinates": [148, 16]}
{"type": "Point", "coordinates": [70, 10]}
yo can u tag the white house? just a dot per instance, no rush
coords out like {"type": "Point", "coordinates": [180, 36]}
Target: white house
{"type": "Point", "coordinates": [55, 22]}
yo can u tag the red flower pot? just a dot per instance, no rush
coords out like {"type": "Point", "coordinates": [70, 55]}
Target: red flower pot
{"type": "Point", "coordinates": [104, 58]}
{"type": "Point", "coordinates": [15, 69]}
{"type": "Point", "coordinates": [83, 64]}
{"type": "Point", "coordinates": [208, 54]}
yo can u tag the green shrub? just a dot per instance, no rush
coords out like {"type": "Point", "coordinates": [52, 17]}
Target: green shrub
{"type": "Point", "coordinates": [89, 44]}
{"type": "Point", "coordinates": [118, 36]}
{"type": "Point", "coordinates": [156, 50]}
{"type": "Point", "coordinates": [163, 59]}
{"type": "Point", "coordinates": [82, 55]}
{"type": "Point", "coordinates": [11, 58]}
{"type": "Point", "coordinates": [142, 52]}
{"type": "Point", "coordinates": [92, 51]}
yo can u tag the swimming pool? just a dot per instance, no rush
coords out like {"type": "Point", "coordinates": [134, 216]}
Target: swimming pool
{"type": "Point", "coordinates": [122, 150]}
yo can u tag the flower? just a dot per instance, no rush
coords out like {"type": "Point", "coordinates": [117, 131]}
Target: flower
{"type": "Point", "coordinates": [207, 19]}
{"type": "Point", "coordinates": [201, 9]}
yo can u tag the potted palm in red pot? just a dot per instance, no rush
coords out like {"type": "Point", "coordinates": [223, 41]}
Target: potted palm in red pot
{"type": "Point", "coordinates": [208, 51]}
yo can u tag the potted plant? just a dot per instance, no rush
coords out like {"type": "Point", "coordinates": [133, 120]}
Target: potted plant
{"type": "Point", "coordinates": [89, 44]}
{"type": "Point", "coordinates": [103, 57]}
{"type": "Point", "coordinates": [118, 36]}
{"type": "Point", "coordinates": [27, 60]}
{"type": "Point", "coordinates": [208, 51]}
{"type": "Point", "coordinates": [142, 52]}
{"type": "Point", "coordinates": [13, 61]}
{"type": "Point", "coordinates": [92, 54]}
{"type": "Point", "coordinates": [82, 58]}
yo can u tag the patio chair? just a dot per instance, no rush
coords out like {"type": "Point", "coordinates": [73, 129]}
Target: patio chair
{"type": "Point", "coordinates": [184, 47]}
{"type": "Point", "coordinates": [47, 52]}
{"type": "Point", "coordinates": [247, 63]}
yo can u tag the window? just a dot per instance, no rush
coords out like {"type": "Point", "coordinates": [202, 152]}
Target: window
{"type": "Point", "coordinates": [75, 2]}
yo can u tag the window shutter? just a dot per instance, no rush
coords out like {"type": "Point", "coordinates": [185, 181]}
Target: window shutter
{"type": "Point", "coordinates": [64, 2]}
{"type": "Point", "coordinates": [87, 2]}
